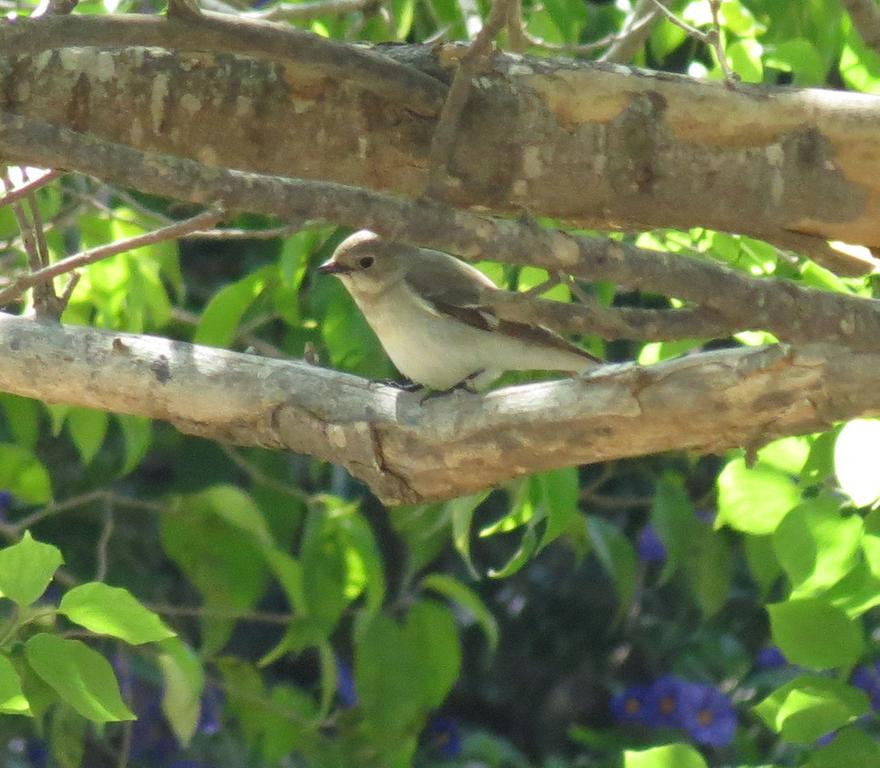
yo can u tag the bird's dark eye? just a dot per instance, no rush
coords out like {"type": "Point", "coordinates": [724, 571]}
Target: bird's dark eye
{"type": "Point", "coordinates": [366, 262]}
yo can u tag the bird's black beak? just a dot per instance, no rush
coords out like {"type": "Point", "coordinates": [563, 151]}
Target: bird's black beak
{"type": "Point", "coordinates": [331, 267]}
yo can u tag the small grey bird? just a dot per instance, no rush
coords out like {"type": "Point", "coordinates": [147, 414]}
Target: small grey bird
{"type": "Point", "coordinates": [425, 308]}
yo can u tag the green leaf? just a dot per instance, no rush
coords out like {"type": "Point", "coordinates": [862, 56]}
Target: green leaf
{"type": "Point", "coordinates": [23, 418]}
{"type": "Point", "coordinates": [87, 428]}
{"type": "Point", "coordinates": [817, 546]}
{"type": "Point", "coordinates": [672, 516]}
{"type": "Point", "coordinates": [184, 681]}
{"type": "Point", "coordinates": [799, 57]}
{"type": "Point", "coordinates": [12, 698]}
{"type": "Point", "coordinates": [403, 672]}
{"type": "Point", "coordinates": [22, 474]}
{"type": "Point", "coordinates": [137, 433]}
{"type": "Point", "coordinates": [365, 571]}
{"type": "Point", "coordinates": [288, 718]}
{"type": "Point", "coordinates": [453, 589]}
{"type": "Point", "coordinates": [787, 455]}
{"type": "Point", "coordinates": [810, 706]}
{"type": "Point", "coordinates": [745, 60]}
{"type": "Point", "coordinates": [67, 737]}
{"type": "Point", "coordinates": [81, 676]}
{"type": "Point", "coordinates": [761, 558]}
{"type": "Point", "coordinates": [669, 756]}
{"type": "Point", "coordinates": [617, 557]}
{"type": "Point", "coordinates": [238, 508]}
{"type": "Point", "coordinates": [815, 634]}
{"type": "Point", "coordinates": [431, 633]}
{"type": "Point", "coordinates": [461, 512]}
{"type": "Point", "coordinates": [27, 568]}
{"type": "Point", "coordinates": [527, 547]}
{"type": "Point", "coordinates": [859, 65]}
{"type": "Point", "coordinates": [558, 491]}
{"type": "Point", "coordinates": [754, 500]}
{"type": "Point", "coordinates": [855, 452]}
{"type": "Point", "coordinates": [112, 611]}
{"type": "Point", "coordinates": [223, 313]}
{"type": "Point", "coordinates": [851, 747]}
{"type": "Point", "coordinates": [224, 562]}
{"type": "Point", "coordinates": [709, 569]}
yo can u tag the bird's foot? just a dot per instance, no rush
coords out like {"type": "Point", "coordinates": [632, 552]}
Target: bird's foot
{"type": "Point", "coordinates": [465, 385]}
{"type": "Point", "coordinates": [406, 386]}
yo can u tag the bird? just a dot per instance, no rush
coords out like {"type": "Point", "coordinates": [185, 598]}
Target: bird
{"type": "Point", "coordinates": [429, 312]}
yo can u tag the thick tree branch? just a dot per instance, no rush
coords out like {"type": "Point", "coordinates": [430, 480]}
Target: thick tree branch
{"type": "Point", "coordinates": [407, 452]}
{"type": "Point", "coordinates": [225, 33]}
{"type": "Point", "coordinates": [596, 145]}
{"type": "Point", "coordinates": [792, 313]}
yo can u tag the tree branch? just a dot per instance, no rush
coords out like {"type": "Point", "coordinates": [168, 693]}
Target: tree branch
{"type": "Point", "coordinates": [865, 17]}
{"type": "Point", "coordinates": [443, 140]}
{"type": "Point", "coordinates": [792, 313]}
{"type": "Point", "coordinates": [63, 266]}
{"type": "Point", "coordinates": [220, 32]}
{"type": "Point", "coordinates": [407, 452]}
{"type": "Point", "coordinates": [595, 145]}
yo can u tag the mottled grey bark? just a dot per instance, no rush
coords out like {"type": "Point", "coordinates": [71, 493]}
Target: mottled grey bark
{"type": "Point", "coordinates": [598, 145]}
{"type": "Point", "coordinates": [408, 452]}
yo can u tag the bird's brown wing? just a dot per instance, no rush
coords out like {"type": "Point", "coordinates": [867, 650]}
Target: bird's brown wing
{"type": "Point", "coordinates": [452, 288]}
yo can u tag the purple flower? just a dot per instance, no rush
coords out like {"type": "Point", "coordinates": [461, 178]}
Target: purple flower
{"type": "Point", "coordinates": [707, 715]}
{"type": "Point", "coordinates": [867, 677]}
{"type": "Point", "coordinates": [824, 741]}
{"type": "Point", "coordinates": [345, 689]}
{"type": "Point", "coordinates": [706, 516]}
{"type": "Point", "coordinates": [649, 545]}
{"type": "Point", "coordinates": [211, 709]}
{"type": "Point", "coordinates": [5, 503]}
{"type": "Point", "coordinates": [665, 701]}
{"type": "Point", "coordinates": [770, 658]}
{"type": "Point", "coordinates": [444, 737]}
{"type": "Point", "coordinates": [629, 705]}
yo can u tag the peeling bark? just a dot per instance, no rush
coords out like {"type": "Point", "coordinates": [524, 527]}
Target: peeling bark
{"type": "Point", "coordinates": [408, 452]}
{"type": "Point", "coordinates": [597, 145]}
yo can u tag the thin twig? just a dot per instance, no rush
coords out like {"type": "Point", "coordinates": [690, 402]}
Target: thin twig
{"type": "Point", "coordinates": [14, 194]}
{"type": "Point", "coordinates": [312, 10]}
{"type": "Point", "coordinates": [259, 617]}
{"type": "Point", "coordinates": [517, 37]}
{"type": "Point", "coordinates": [42, 276]}
{"type": "Point", "coordinates": [730, 77]}
{"type": "Point", "coordinates": [115, 500]}
{"type": "Point", "coordinates": [634, 34]}
{"type": "Point", "coordinates": [450, 116]}
{"type": "Point", "coordinates": [103, 543]}
{"type": "Point", "coordinates": [610, 39]}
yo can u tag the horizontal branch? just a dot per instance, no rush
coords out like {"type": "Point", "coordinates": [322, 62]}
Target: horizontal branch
{"type": "Point", "coordinates": [409, 452]}
{"type": "Point", "coordinates": [230, 34]}
{"type": "Point", "coordinates": [593, 144]}
{"type": "Point", "coordinates": [792, 313]}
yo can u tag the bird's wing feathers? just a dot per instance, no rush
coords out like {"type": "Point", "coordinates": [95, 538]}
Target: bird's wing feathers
{"type": "Point", "coordinates": [452, 288]}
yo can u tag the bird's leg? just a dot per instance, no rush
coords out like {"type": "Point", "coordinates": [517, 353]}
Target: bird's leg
{"type": "Point", "coordinates": [466, 384]}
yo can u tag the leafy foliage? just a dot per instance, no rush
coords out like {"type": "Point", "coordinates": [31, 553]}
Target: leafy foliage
{"type": "Point", "coordinates": [667, 612]}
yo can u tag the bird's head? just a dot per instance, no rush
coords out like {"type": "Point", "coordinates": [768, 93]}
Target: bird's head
{"type": "Point", "coordinates": [364, 263]}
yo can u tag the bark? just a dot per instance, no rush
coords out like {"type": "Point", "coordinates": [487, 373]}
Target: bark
{"type": "Point", "coordinates": [409, 452]}
{"type": "Point", "coordinates": [596, 145]}
{"type": "Point", "coordinates": [790, 311]}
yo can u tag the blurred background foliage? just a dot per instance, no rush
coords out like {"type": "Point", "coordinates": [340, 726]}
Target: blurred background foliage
{"type": "Point", "coordinates": [674, 610]}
